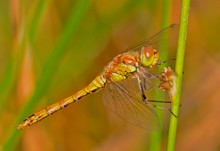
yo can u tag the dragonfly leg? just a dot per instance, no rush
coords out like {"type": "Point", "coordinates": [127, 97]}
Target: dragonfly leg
{"type": "Point", "coordinates": [153, 75]}
{"type": "Point", "coordinates": [144, 83]}
{"type": "Point", "coordinates": [162, 62]}
{"type": "Point", "coordinates": [145, 100]}
{"type": "Point", "coordinates": [143, 87]}
{"type": "Point", "coordinates": [156, 101]}
{"type": "Point", "coordinates": [144, 73]}
{"type": "Point", "coordinates": [143, 96]}
{"type": "Point", "coordinates": [160, 107]}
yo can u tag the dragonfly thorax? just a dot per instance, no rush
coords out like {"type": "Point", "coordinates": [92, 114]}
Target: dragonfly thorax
{"type": "Point", "coordinates": [122, 66]}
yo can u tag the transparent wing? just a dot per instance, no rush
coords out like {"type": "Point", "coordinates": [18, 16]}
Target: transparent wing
{"type": "Point", "coordinates": [124, 99]}
{"type": "Point", "coordinates": [163, 41]}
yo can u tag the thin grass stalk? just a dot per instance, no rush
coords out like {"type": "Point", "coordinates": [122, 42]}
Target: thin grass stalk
{"type": "Point", "coordinates": [49, 70]}
{"type": "Point", "coordinates": [156, 137]}
{"type": "Point", "coordinates": [14, 61]}
{"type": "Point", "coordinates": [179, 71]}
{"type": "Point", "coordinates": [37, 16]}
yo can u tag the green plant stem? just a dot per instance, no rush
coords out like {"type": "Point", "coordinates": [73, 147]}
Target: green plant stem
{"type": "Point", "coordinates": [156, 137]}
{"type": "Point", "coordinates": [49, 70]}
{"type": "Point", "coordinates": [179, 71]}
{"type": "Point", "coordinates": [37, 16]}
{"type": "Point", "coordinates": [166, 13]}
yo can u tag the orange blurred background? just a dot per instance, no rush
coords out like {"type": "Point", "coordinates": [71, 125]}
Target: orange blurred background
{"type": "Point", "coordinates": [106, 28]}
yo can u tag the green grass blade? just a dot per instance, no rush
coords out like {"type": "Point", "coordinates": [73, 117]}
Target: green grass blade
{"type": "Point", "coordinates": [156, 137]}
{"type": "Point", "coordinates": [11, 72]}
{"type": "Point", "coordinates": [14, 62]}
{"type": "Point", "coordinates": [34, 24]}
{"type": "Point", "coordinates": [49, 70]}
{"type": "Point", "coordinates": [7, 81]}
{"type": "Point", "coordinates": [179, 71]}
{"type": "Point", "coordinates": [166, 13]}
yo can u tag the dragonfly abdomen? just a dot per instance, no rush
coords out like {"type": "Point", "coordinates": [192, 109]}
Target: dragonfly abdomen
{"type": "Point", "coordinates": [94, 86]}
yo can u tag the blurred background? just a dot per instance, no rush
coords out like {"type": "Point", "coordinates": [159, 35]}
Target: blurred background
{"type": "Point", "coordinates": [50, 49]}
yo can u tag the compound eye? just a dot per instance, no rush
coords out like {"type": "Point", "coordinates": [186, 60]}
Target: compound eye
{"type": "Point", "coordinates": [147, 55]}
{"type": "Point", "coordinates": [148, 52]}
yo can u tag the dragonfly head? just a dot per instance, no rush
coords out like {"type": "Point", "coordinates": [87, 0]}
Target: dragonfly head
{"type": "Point", "coordinates": [149, 56]}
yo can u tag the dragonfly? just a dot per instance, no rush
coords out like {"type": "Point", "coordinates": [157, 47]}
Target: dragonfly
{"type": "Point", "coordinates": [127, 82]}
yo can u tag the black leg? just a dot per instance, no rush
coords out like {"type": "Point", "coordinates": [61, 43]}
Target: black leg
{"type": "Point", "coordinates": [159, 101]}
{"type": "Point", "coordinates": [160, 107]}
{"type": "Point", "coordinates": [143, 96]}
{"type": "Point", "coordinates": [162, 62]}
{"type": "Point", "coordinates": [145, 100]}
